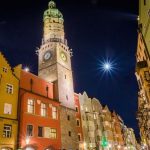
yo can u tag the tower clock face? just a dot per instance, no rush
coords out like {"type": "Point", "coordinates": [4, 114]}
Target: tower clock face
{"type": "Point", "coordinates": [47, 55]}
{"type": "Point", "coordinates": [63, 56]}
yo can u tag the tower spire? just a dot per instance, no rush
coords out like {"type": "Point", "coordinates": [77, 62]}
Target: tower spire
{"type": "Point", "coordinates": [52, 4]}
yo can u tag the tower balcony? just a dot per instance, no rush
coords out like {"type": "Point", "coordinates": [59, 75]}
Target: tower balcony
{"type": "Point", "coordinates": [58, 40]}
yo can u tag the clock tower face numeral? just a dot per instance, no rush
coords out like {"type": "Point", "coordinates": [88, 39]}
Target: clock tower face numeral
{"type": "Point", "coordinates": [47, 55]}
{"type": "Point", "coordinates": [63, 56]}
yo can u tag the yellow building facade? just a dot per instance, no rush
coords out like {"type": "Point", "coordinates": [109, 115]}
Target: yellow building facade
{"type": "Point", "coordinates": [9, 88]}
{"type": "Point", "coordinates": [143, 72]}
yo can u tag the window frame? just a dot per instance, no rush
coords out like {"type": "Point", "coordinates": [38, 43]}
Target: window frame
{"type": "Point", "coordinates": [42, 135]}
{"type": "Point", "coordinates": [7, 133]}
{"type": "Point", "coordinates": [28, 135]}
{"type": "Point", "coordinates": [54, 112]}
{"type": "Point", "coordinates": [54, 133]}
{"type": "Point", "coordinates": [43, 110]}
{"type": "Point", "coordinates": [31, 106]}
{"type": "Point", "coordinates": [9, 88]}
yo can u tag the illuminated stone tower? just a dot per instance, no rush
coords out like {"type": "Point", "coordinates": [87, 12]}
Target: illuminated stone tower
{"type": "Point", "coordinates": [55, 66]}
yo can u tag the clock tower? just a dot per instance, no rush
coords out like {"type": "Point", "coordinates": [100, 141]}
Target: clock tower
{"type": "Point", "coordinates": [55, 66]}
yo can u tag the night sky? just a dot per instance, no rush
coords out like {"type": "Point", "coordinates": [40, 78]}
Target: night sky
{"type": "Point", "coordinates": [95, 30]}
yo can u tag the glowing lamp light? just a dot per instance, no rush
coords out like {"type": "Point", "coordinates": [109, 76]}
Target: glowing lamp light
{"type": "Point", "coordinates": [27, 140]}
{"type": "Point", "coordinates": [26, 69]}
{"type": "Point", "coordinates": [119, 146]}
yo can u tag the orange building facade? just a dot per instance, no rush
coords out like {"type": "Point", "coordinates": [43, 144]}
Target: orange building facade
{"type": "Point", "coordinates": [39, 114]}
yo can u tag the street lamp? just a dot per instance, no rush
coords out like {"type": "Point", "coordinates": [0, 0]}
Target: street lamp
{"type": "Point", "coordinates": [26, 69]}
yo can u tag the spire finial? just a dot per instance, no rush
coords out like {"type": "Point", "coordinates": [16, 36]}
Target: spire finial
{"type": "Point", "coordinates": [52, 4]}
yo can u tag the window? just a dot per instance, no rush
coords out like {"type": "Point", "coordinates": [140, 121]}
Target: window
{"type": "Point", "coordinates": [43, 109]}
{"type": "Point", "coordinates": [67, 97]}
{"type": "Point", "coordinates": [77, 109]}
{"type": "Point", "coordinates": [147, 75]}
{"type": "Point", "coordinates": [69, 133]}
{"type": "Point", "coordinates": [40, 131]}
{"type": "Point", "coordinates": [94, 116]}
{"type": "Point", "coordinates": [47, 132]}
{"type": "Point", "coordinates": [79, 137]}
{"type": "Point", "coordinates": [78, 122]}
{"type": "Point", "coordinates": [5, 69]}
{"type": "Point", "coordinates": [54, 112]}
{"type": "Point", "coordinates": [30, 106]}
{"type": "Point", "coordinates": [7, 131]}
{"type": "Point", "coordinates": [29, 130]}
{"type": "Point", "coordinates": [7, 108]}
{"type": "Point", "coordinates": [9, 89]}
{"type": "Point", "coordinates": [144, 2]}
{"type": "Point", "coordinates": [53, 134]}
{"type": "Point", "coordinates": [68, 117]}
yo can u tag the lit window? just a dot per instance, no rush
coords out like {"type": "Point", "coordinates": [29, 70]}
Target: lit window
{"type": "Point", "coordinates": [94, 116]}
{"type": "Point", "coordinates": [43, 109]}
{"type": "Point", "coordinates": [7, 131]}
{"type": "Point", "coordinates": [7, 108]}
{"type": "Point", "coordinates": [29, 130]}
{"type": "Point", "coordinates": [9, 89]}
{"type": "Point", "coordinates": [40, 131]}
{"type": "Point", "coordinates": [54, 112]}
{"type": "Point", "coordinates": [4, 69]}
{"type": "Point", "coordinates": [30, 106]}
{"type": "Point", "coordinates": [78, 122]}
{"type": "Point", "coordinates": [47, 132]}
{"type": "Point", "coordinates": [53, 134]}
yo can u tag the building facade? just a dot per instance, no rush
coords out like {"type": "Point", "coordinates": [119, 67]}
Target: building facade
{"type": "Point", "coordinates": [129, 138]}
{"type": "Point", "coordinates": [143, 72]}
{"type": "Point", "coordinates": [101, 128]}
{"type": "Point", "coordinates": [39, 122]}
{"type": "Point", "coordinates": [9, 87]}
{"type": "Point", "coordinates": [55, 66]}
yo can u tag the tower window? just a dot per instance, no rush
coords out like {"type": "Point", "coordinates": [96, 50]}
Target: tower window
{"type": "Point", "coordinates": [67, 97]}
{"type": "Point", "coordinates": [69, 133]}
{"type": "Point", "coordinates": [78, 122]}
{"type": "Point", "coordinates": [77, 109]}
{"type": "Point", "coordinates": [68, 117]}
{"type": "Point", "coordinates": [144, 2]}
{"type": "Point", "coordinates": [79, 137]}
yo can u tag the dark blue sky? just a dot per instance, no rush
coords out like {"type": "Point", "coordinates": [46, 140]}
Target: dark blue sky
{"type": "Point", "coordinates": [95, 29]}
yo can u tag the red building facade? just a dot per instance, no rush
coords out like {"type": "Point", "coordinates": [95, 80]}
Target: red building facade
{"type": "Point", "coordinates": [39, 114]}
{"type": "Point", "coordinates": [79, 122]}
